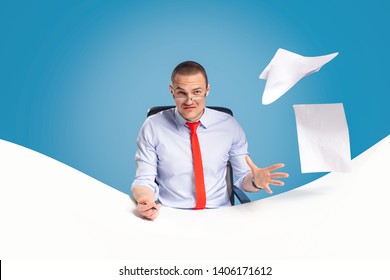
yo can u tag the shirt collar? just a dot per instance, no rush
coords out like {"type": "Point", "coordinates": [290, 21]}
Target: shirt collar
{"type": "Point", "coordinates": [204, 119]}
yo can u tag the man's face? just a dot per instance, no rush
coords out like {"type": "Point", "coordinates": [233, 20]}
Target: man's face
{"type": "Point", "coordinates": [189, 92]}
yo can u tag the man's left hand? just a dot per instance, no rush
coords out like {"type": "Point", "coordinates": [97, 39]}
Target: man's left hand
{"type": "Point", "coordinates": [263, 177]}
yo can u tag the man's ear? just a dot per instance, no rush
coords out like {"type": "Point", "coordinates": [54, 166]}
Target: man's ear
{"type": "Point", "coordinates": [207, 89]}
{"type": "Point", "coordinates": [170, 88]}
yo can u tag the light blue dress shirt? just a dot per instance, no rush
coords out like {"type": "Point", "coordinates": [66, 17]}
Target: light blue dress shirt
{"type": "Point", "coordinates": [164, 155]}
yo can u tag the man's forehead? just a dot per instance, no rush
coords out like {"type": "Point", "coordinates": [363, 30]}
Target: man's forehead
{"type": "Point", "coordinates": [194, 80]}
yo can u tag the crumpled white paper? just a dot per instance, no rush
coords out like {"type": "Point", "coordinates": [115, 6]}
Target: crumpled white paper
{"type": "Point", "coordinates": [323, 138]}
{"type": "Point", "coordinates": [286, 69]}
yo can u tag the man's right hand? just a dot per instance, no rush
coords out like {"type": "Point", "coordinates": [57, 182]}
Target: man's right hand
{"type": "Point", "coordinates": [148, 209]}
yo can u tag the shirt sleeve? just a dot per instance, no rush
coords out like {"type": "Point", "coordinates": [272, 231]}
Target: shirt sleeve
{"type": "Point", "coordinates": [237, 155]}
{"type": "Point", "coordinates": [146, 159]}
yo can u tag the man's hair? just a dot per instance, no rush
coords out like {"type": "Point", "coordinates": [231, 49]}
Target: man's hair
{"type": "Point", "coordinates": [189, 68]}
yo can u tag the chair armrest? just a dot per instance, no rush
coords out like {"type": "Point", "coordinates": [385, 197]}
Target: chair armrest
{"type": "Point", "coordinates": [241, 196]}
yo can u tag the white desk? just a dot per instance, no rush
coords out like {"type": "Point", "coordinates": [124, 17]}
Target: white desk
{"type": "Point", "coordinates": [51, 211]}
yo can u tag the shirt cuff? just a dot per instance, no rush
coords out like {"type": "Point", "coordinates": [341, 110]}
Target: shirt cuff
{"type": "Point", "coordinates": [238, 183]}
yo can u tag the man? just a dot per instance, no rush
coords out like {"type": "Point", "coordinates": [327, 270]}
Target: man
{"type": "Point", "coordinates": [169, 169]}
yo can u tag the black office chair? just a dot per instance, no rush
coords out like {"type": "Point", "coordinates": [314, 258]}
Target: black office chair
{"type": "Point", "coordinates": [233, 191]}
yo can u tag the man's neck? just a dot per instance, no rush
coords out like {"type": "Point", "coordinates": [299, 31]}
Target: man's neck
{"type": "Point", "coordinates": [195, 119]}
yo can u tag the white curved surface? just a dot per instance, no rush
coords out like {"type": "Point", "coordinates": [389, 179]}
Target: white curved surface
{"type": "Point", "coordinates": [51, 211]}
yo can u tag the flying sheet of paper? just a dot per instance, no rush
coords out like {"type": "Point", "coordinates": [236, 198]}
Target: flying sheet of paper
{"type": "Point", "coordinates": [323, 138]}
{"type": "Point", "coordinates": [286, 69]}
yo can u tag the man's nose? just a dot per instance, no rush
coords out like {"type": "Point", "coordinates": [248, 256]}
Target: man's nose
{"type": "Point", "coordinates": [189, 101]}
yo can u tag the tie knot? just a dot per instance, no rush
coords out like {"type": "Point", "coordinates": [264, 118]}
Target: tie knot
{"type": "Point", "coordinates": [193, 126]}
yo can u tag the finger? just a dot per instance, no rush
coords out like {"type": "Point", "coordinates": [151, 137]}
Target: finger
{"type": "Point", "coordinates": [155, 206]}
{"type": "Point", "coordinates": [276, 183]}
{"type": "Point", "coordinates": [154, 215]}
{"type": "Point", "coordinates": [250, 163]}
{"type": "Point", "coordinates": [268, 189]}
{"type": "Point", "coordinates": [142, 207]}
{"type": "Point", "coordinates": [145, 206]}
{"type": "Point", "coordinates": [279, 175]}
{"type": "Point", "coordinates": [143, 200]}
{"type": "Point", "coordinates": [275, 166]}
{"type": "Point", "coordinates": [149, 208]}
{"type": "Point", "coordinates": [149, 213]}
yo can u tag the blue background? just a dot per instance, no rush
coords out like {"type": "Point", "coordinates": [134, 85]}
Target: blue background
{"type": "Point", "coordinates": [77, 77]}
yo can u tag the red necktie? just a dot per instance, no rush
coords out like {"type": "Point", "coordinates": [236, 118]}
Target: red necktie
{"type": "Point", "coordinates": [198, 167]}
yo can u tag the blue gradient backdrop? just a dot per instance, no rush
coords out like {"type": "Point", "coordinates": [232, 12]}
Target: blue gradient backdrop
{"type": "Point", "coordinates": [78, 76]}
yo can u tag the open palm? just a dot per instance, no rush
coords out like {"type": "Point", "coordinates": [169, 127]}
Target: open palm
{"type": "Point", "coordinates": [263, 177]}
